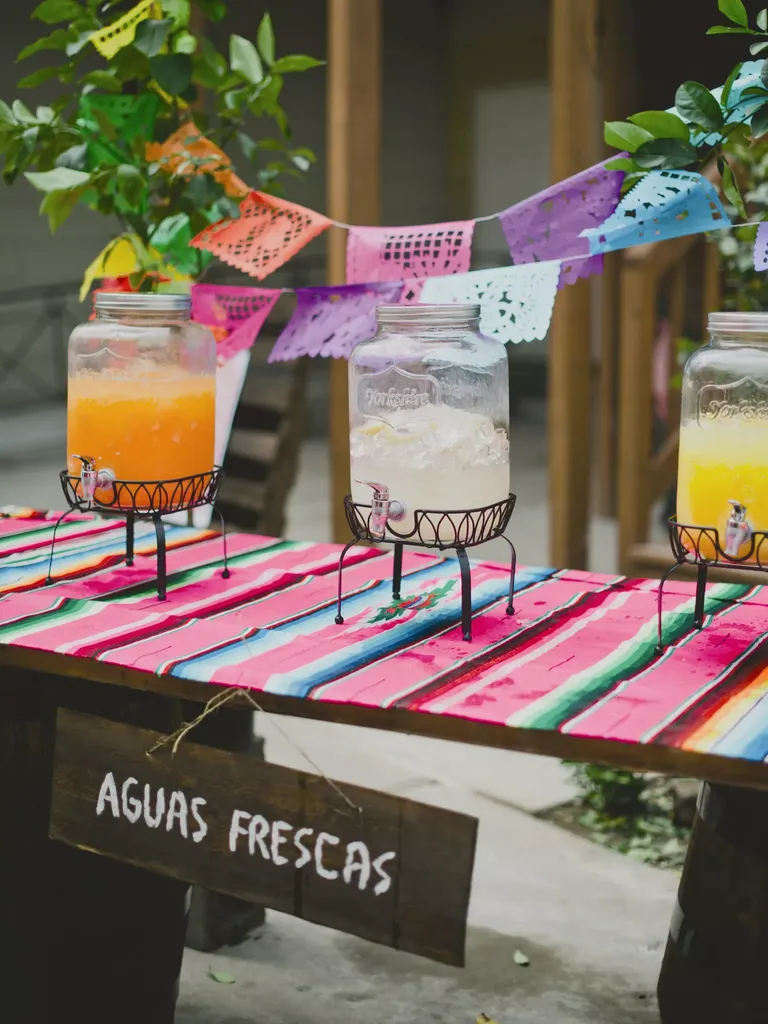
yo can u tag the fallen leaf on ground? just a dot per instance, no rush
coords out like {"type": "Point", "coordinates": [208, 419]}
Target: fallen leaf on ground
{"type": "Point", "coordinates": [223, 977]}
{"type": "Point", "coordinates": [521, 959]}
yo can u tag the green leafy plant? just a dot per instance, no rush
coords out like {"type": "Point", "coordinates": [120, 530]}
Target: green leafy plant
{"type": "Point", "coordinates": [92, 146]}
{"type": "Point", "coordinates": [704, 124]}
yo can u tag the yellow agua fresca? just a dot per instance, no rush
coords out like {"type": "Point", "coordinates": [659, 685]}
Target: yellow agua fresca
{"type": "Point", "coordinates": [720, 464]}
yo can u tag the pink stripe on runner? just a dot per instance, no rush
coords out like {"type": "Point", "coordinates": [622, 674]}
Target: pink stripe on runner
{"type": "Point", "coordinates": [642, 705]}
{"type": "Point", "coordinates": [383, 681]}
{"type": "Point", "coordinates": [41, 538]}
{"type": "Point", "coordinates": [579, 644]}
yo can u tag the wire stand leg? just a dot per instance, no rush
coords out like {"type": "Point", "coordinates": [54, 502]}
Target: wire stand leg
{"type": "Point", "coordinates": [701, 593]}
{"type": "Point", "coordinates": [339, 617]}
{"type": "Point", "coordinates": [397, 572]}
{"type": "Point", "coordinates": [225, 572]}
{"type": "Point", "coordinates": [512, 571]}
{"type": "Point", "coordinates": [161, 574]}
{"type": "Point", "coordinates": [129, 523]}
{"type": "Point", "coordinates": [466, 594]}
{"type": "Point", "coordinates": [49, 577]}
{"type": "Point", "coordinates": [660, 607]}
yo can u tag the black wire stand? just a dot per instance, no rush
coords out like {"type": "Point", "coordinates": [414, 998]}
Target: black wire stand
{"type": "Point", "coordinates": [691, 545]}
{"type": "Point", "coordinates": [441, 531]}
{"type": "Point", "coordinates": [142, 500]}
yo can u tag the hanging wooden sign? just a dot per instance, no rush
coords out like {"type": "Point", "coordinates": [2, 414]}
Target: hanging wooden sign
{"type": "Point", "coordinates": [367, 863]}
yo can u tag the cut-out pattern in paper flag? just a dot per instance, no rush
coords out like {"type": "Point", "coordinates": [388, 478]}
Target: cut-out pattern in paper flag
{"type": "Point", "coordinates": [663, 204]}
{"type": "Point", "coordinates": [549, 225]}
{"type": "Point", "coordinates": [761, 247]}
{"type": "Point", "coordinates": [268, 232]}
{"type": "Point", "coordinates": [129, 115]}
{"type": "Point", "coordinates": [394, 254]}
{"type": "Point", "coordinates": [240, 311]}
{"type": "Point", "coordinates": [108, 41]}
{"type": "Point", "coordinates": [188, 146]}
{"type": "Point", "coordinates": [516, 302]}
{"type": "Point", "coordinates": [330, 321]}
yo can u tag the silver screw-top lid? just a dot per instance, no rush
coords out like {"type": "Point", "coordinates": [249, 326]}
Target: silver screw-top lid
{"type": "Point", "coordinates": [738, 323]}
{"type": "Point", "coordinates": [422, 315]}
{"type": "Point", "coordinates": [172, 304]}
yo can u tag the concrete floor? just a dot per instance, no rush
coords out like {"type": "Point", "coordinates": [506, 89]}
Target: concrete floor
{"type": "Point", "coordinates": [593, 923]}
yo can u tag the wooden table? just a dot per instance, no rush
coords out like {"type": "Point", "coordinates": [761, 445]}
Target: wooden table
{"type": "Point", "coordinates": [572, 674]}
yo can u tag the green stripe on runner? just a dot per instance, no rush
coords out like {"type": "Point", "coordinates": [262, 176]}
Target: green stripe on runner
{"type": "Point", "coordinates": [70, 610]}
{"type": "Point", "coordinates": [630, 657]}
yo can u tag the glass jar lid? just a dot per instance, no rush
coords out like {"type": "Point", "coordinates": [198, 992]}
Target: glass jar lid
{"type": "Point", "coordinates": [738, 323]}
{"type": "Point", "coordinates": [173, 304]}
{"type": "Point", "coordinates": [422, 315]}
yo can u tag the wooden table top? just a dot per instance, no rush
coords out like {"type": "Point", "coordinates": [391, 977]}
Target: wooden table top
{"type": "Point", "coordinates": [574, 673]}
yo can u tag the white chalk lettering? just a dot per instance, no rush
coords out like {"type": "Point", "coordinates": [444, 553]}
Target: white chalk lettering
{"type": "Point", "coordinates": [358, 861]}
{"type": "Point", "coordinates": [278, 827]}
{"type": "Point", "coordinates": [385, 879]}
{"type": "Point", "coordinates": [322, 839]}
{"type": "Point", "coordinates": [177, 810]}
{"type": "Point", "coordinates": [108, 793]}
{"type": "Point", "coordinates": [202, 829]}
{"type": "Point", "coordinates": [236, 829]}
{"type": "Point", "coordinates": [131, 805]}
{"type": "Point", "coordinates": [306, 855]}
{"type": "Point", "coordinates": [257, 830]}
{"type": "Point", "coordinates": [159, 806]}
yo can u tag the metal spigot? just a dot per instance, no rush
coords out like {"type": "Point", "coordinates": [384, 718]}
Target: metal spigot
{"type": "Point", "coordinates": [738, 531]}
{"type": "Point", "coordinates": [383, 509]}
{"type": "Point", "coordinates": [91, 479]}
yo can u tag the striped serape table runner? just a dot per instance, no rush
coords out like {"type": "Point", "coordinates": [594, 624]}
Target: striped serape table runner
{"type": "Point", "coordinates": [576, 660]}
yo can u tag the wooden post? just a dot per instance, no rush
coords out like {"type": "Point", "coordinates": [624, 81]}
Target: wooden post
{"type": "Point", "coordinates": [354, 147]}
{"type": "Point", "coordinates": [575, 135]}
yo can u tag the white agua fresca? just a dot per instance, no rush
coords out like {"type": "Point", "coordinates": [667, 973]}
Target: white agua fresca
{"type": "Point", "coordinates": [429, 412]}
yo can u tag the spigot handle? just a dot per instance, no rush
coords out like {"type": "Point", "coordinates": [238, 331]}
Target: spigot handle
{"type": "Point", "coordinates": [738, 508]}
{"type": "Point", "coordinates": [86, 460]}
{"type": "Point", "coordinates": [380, 491]}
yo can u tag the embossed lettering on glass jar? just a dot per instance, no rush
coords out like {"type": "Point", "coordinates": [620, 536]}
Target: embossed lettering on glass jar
{"type": "Point", "coordinates": [429, 411]}
{"type": "Point", "coordinates": [723, 463]}
{"type": "Point", "coordinates": [142, 389]}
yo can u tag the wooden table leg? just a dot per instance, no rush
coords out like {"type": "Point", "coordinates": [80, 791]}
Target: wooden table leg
{"type": "Point", "coordinates": [82, 938]}
{"type": "Point", "coordinates": [715, 968]}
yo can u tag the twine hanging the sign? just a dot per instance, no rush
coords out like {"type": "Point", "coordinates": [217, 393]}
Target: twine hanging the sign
{"type": "Point", "coordinates": [224, 697]}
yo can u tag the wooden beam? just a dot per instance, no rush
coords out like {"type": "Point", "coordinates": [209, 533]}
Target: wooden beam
{"type": "Point", "coordinates": [353, 191]}
{"type": "Point", "coordinates": [575, 133]}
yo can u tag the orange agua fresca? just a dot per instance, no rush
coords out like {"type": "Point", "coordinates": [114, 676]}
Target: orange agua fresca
{"type": "Point", "coordinates": [149, 429]}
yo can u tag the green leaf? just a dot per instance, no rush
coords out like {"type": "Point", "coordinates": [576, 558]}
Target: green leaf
{"type": "Point", "coordinates": [265, 40]}
{"type": "Point", "coordinates": [172, 72]}
{"type": "Point", "coordinates": [59, 204]}
{"type": "Point", "coordinates": [130, 182]}
{"type": "Point", "coordinates": [244, 59]}
{"type": "Point", "coordinates": [764, 74]}
{"type": "Point", "coordinates": [222, 977]}
{"type": "Point", "coordinates": [301, 162]}
{"type": "Point", "coordinates": [51, 11]}
{"type": "Point", "coordinates": [295, 62]}
{"type": "Point", "coordinates": [762, 19]}
{"type": "Point", "coordinates": [178, 11]}
{"type": "Point", "coordinates": [623, 135]}
{"type": "Point", "coordinates": [760, 122]}
{"type": "Point", "coordinates": [76, 157]}
{"type": "Point", "coordinates": [168, 230]}
{"type": "Point", "coordinates": [729, 30]}
{"type": "Point", "coordinates": [661, 124]}
{"type": "Point", "coordinates": [757, 48]}
{"type": "Point", "coordinates": [730, 186]}
{"type": "Point", "coordinates": [151, 36]}
{"type": "Point", "coordinates": [102, 80]}
{"type": "Point", "coordinates": [22, 113]}
{"type": "Point", "coordinates": [665, 154]}
{"type": "Point", "coordinates": [108, 129]}
{"type": "Point", "coordinates": [6, 114]}
{"type": "Point", "coordinates": [79, 43]}
{"type": "Point", "coordinates": [38, 78]}
{"type": "Point", "coordinates": [620, 164]}
{"type": "Point", "coordinates": [212, 9]}
{"type": "Point", "coordinates": [58, 178]}
{"type": "Point", "coordinates": [520, 958]}
{"type": "Point", "coordinates": [184, 42]}
{"type": "Point", "coordinates": [696, 103]}
{"type": "Point", "coordinates": [729, 83]}
{"type": "Point", "coordinates": [45, 115]}
{"type": "Point", "coordinates": [59, 39]}
{"type": "Point", "coordinates": [734, 10]}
